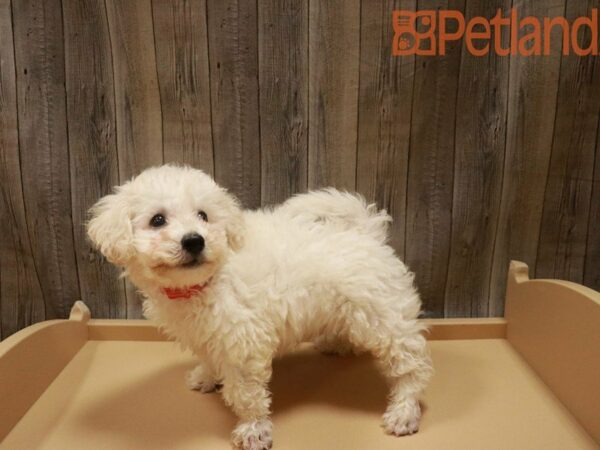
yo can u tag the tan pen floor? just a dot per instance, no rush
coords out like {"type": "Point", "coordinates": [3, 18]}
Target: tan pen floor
{"type": "Point", "coordinates": [131, 395]}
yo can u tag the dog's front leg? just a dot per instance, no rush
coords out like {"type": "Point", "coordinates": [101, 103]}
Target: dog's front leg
{"type": "Point", "coordinates": [247, 394]}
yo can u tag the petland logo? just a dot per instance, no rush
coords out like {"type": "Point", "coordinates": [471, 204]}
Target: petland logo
{"type": "Point", "coordinates": [415, 33]}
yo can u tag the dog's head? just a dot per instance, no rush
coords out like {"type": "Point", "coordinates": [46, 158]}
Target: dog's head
{"type": "Point", "coordinates": [171, 225]}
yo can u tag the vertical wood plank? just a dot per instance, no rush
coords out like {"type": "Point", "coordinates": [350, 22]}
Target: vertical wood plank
{"type": "Point", "coordinates": [233, 54]}
{"type": "Point", "coordinates": [431, 162]}
{"type": "Point", "coordinates": [283, 82]}
{"type": "Point", "coordinates": [385, 99]}
{"type": "Point", "coordinates": [137, 98]}
{"type": "Point", "coordinates": [181, 42]}
{"type": "Point", "coordinates": [564, 229]}
{"type": "Point", "coordinates": [531, 113]}
{"type": "Point", "coordinates": [21, 298]}
{"type": "Point", "coordinates": [334, 51]}
{"type": "Point", "coordinates": [92, 144]}
{"type": "Point", "coordinates": [591, 274]}
{"type": "Point", "coordinates": [478, 167]}
{"type": "Point", "coordinates": [39, 59]}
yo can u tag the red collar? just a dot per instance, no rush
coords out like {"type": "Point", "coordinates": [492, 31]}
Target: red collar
{"type": "Point", "coordinates": [183, 293]}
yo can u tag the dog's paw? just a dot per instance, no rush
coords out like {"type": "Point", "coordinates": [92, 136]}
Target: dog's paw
{"type": "Point", "coordinates": [198, 380]}
{"type": "Point", "coordinates": [253, 435]}
{"type": "Point", "coordinates": [402, 418]}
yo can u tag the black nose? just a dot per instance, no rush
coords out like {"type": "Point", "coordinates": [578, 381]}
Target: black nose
{"type": "Point", "coordinates": [193, 243]}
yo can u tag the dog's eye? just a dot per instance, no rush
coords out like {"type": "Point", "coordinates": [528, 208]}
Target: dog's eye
{"type": "Point", "coordinates": [203, 216]}
{"type": "Point", "coordinates": [158, 221]}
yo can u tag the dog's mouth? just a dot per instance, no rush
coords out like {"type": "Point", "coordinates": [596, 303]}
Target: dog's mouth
{"type": "Point", "coordinates": [189, 264]}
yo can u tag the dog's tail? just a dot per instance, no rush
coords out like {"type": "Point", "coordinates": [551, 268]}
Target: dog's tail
{"type": "Point", "coordinates": [342, 210]}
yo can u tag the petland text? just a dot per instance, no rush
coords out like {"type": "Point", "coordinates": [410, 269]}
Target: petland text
{"type": "Point", "coordinates": [428, 32]}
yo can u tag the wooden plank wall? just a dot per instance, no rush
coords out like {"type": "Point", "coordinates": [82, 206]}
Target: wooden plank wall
{"type": "Point", "coordinates": [478, 159]}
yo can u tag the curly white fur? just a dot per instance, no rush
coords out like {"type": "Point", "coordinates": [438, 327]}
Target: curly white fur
{"type": "Point", "coordinates": [316, 267]}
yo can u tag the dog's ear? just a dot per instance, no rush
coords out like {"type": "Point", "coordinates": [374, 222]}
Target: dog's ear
{"type": "Point", "coordinates": [110, 228]}
{"type": "Point", "coordinates": [235, 227]}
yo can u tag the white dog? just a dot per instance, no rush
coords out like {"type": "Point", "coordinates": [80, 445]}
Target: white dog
{"type": "Point", "coordinates": [239, 287]}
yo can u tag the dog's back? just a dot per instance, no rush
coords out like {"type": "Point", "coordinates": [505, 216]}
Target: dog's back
{"type": "Point", "coordinates": [342, 210]}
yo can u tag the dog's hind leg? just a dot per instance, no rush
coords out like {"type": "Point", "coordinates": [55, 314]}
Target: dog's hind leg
{"type": "Point", "coordinates": [405, 361]}
{"type": "Point", "coordinates": [401, 352]}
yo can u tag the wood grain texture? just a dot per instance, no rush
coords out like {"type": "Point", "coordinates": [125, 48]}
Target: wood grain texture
{"type": "Point", "coordinates": [283, 82]}
{"type": "Point", "coordinates": [39, 59]}
{"type": "Point", "coordinates": [564, 227]}
{"type": "Point", "coordinates": [430, 175]}
{"type": "Point", "coordinates": [591, 274]}
{"type": "Point", "coordinates": [385, 99]}
{"type": "Point", "coordinates": [233, 54]}
{"type": "Point", "coordinates": [478, 168]}
{"type": "Point", "coordinates": [531, 113]}
{"type": "Point", "coordinates": [137, 99]}
{"type": "Point", "coordinates": [334, 47]}
{"type": "Point", "coordinates": [180, 36]}
{"type": "Point", "coordinates": [92, 144]}
{"type": "Point", "coordinates": [478, 159]}
{"type": "Point", "coordinates": [21, 297]}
